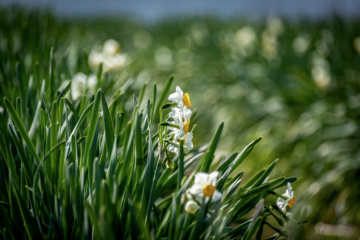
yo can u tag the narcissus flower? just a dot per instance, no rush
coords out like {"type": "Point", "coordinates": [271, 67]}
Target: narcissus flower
{"type": "Point", "coordinates": [205, 186]}
{"type": "Point", "coordinates": [191, 206]}
{"type": "Point", "coordinates": [181, 117]}
{"type": "Point", "coordinates": [289, 201]}
{"type": "Point", "coordinates": [180, 98]}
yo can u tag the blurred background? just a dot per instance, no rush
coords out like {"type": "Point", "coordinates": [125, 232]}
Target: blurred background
{"type": "Point", "coordinates": [288, 71]}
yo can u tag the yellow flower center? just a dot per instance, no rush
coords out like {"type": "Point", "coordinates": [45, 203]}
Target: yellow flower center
{"type": "Point", "coordinates": [186, 127]}
{"type": "Point", "coordinates": [292, 201]}
{"type": "Point", "coordinates": [208, 190]}
{"type": "Point", "coordinates": [186, 99]}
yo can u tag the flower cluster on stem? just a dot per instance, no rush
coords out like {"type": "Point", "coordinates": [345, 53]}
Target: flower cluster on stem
{"type": "Point", "coordinates": [180, 114]}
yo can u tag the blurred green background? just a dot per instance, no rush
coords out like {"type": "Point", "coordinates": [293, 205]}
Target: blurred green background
{"type": "Point", "coordinates": [295, 83]}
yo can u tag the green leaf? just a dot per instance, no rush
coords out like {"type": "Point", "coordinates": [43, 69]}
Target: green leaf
{"type": "Point", "coordinates": [53, 140]}
{"type": "Point", "coordinates": [181, 163]}
{"type": "Point", "coordinates": [266, 174]}
{"type": "Point", "coordinates": [21, 128]}
{"type": "Point", "coordinates": [109, 127]}
{"type": "Point", "coordinates": [251, 232]}
{"type": "Point", "coordinates": [235, 163]}
{"type": "Point", "coordinates": [209, 156]}
{"type": "Point", "coordinates": [138, 141]}
{"type": "Point", "coordinates": [22, 154]}
{"type": "Point", "coordinates": [166, 124]}
{"type": "Point", "coordinates": [164, 94]}
{"type": "Point", "coordinates": [142, 93]}
{"type": "Point", "coordinates": [91, 130]}
{"type": "Point", "coordinates": [72, 108]}
{"type": "Point", "coordinates": [29, 226]}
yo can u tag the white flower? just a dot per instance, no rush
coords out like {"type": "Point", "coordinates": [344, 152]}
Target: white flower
{"type": "Point", "coordinates": [111, 47]}
{"type": "Point", "coordinates": [191, 206]}
{"type": "Point", "coordinates": [204, 186]}
{"type": "Point", "coordinates": [290, 199]}
{"type": "Point", "coordinates": [180, 116]}
{"type": "Point", "coordinates": [95, 59]}
{"type": "Point", "coordinates": [114, 62]}
{"type": "Point", "coordinates": [110, 56]}
{"type": "Point", "coordinates": [79, 83]}
{"type": "Point", "coordinates": [180, 98]}
{"type": "Point", "coordinates": [188, 145]}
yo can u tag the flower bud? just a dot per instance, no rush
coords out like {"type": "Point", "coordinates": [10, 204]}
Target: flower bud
{"type": "Point", "coordinates": [191, 206]}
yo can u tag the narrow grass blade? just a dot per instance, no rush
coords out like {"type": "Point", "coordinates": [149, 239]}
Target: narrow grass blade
{"type": "Point", "coordinates": [109, 126]}
{"type": "Point", "coordinates": [207, 160]}
{"type": "Point", "coordinates": [21, 128]}
{"type": "Point", "coordinates": [164, 94]}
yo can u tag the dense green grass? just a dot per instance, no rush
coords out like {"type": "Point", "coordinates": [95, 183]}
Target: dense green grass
{"type": "Point", "coordinates": [294, 83]}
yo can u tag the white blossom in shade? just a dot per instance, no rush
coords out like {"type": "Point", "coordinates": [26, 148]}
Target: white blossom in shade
{"type": "Point", "coordinates": [289, 201]}
{"type": "Point", "coordinates": [191, 206]}
{"type": "Point", "coordinates": [180, 98]}
{"type": "Point", "coordinates": [111, 47]}
{"type": "Point", "coordinates": [204, 186]}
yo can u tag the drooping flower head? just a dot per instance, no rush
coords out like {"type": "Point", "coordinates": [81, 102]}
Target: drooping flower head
{"type": "Point", "coordinates": [205, 186]}
{"type": "Point", "coordinates": [289, 201]}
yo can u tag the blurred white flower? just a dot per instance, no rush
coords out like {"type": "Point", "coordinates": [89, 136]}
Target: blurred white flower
{"type": "Point", "coordinates": [204, 186]}
{"type": "Point", "coordinates": [245, 36]}
{"type": "Point", "coordinates": [110, 56]}
{"type": "Point", "coordinates": [80, 82]}
{"type": "Point", "coordinates": [356, 44]}
{"type": "Point", "coordinates": [289, 201]}
{"type": "Point", "coordinates": [301, 44]}
{"type": "Point", "coordinates": [191, 206]}
{"type": "Point", "coordinates": [95, 59]}
{"type": "Point", "coordinates": [180, 98]}
{"type": "Point", "coordinates": [111, 47]}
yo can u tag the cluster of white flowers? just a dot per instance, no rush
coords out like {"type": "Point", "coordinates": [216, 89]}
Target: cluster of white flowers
{"type": "Point", "coordinates": [80, 82]}
{"type": "Point", "coordinates": [204, 187]}
{"type": "Point", "coordinates": [181, 117]}
{"type": "Point", "coordinates": [289, 199]}
{"type": "Point", "coordinates": [110, 56]}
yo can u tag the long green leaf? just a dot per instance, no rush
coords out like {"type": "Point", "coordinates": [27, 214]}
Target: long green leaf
{"type": "Point", "coordinates": [21, 128]}
{"type": "Point", "coordinates": [109, 126]}
{"type": "Point", "coordinates": [164, 94]}
{"type": "Point", "coordinates": [209, 156]}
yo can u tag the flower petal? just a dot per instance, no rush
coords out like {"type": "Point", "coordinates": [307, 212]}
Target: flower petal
{"type": "Point", "coordinates": [217, 196]}
{"type": "Point", "coordinates": [201, 179]}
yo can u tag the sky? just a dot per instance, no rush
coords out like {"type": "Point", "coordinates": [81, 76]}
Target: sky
{"type": "Point", "coordinates": [156, 9]}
